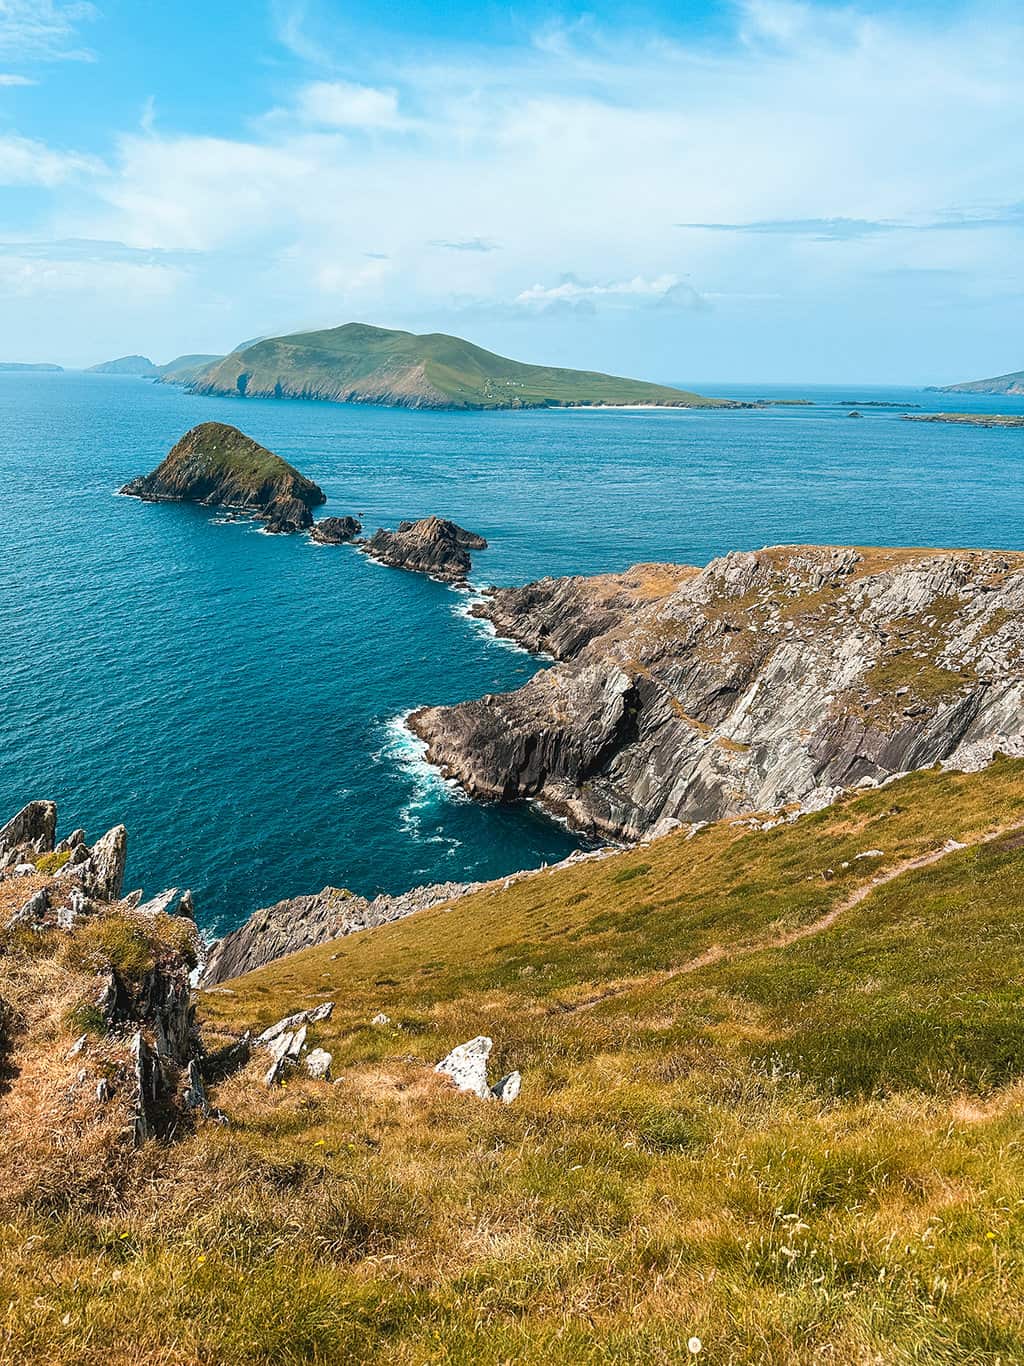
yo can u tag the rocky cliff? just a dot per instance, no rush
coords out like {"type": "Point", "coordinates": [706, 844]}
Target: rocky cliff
{"type": "Point", "coordinates": [431, 546]}
{"type": "Point", "coordinates": [301, 921]}
{"type": "Point", "coordinates": [76, 954]}
{"type": "Point", "coordinates": [769, 678]}
{"type": "Point", "coordinates": [220, 466]}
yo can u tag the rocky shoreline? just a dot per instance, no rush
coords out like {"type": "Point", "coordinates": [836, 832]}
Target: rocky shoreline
{"type": "Point", "coordinates": [768, 679]}
{"type": "Point", "coordinates": [970, 419]}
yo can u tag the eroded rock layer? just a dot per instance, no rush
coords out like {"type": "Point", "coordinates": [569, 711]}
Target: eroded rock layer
{"type": "Point", "coordinates": [768, 678]}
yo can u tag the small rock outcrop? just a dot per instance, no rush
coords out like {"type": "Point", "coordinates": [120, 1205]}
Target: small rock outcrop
{"type": "Point", "coordinates": [217, 465]}
{"type": "Point", "coordinates": [335, 530]}
{"type": "Point", "coordinates": [285, 1041]}
{"type": "Point", "coordinates": [302, 921]}
{"type": "Point", "coordinates": [431, 546]}
{"type": "Point", "coordinates": [769, 678]}
{"type": "Point", "coordinates": [107, 861]}
{"type": "Point", "coordinates": [466, 1065]}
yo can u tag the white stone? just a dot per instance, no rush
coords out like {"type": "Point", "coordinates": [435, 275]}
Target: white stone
{"type": "Point", "coordinates": [318, 1064]}
{"type": "Point", "coordinates": [508, 1088]}
{"type": "Point", "coordinates": [467, 1066]}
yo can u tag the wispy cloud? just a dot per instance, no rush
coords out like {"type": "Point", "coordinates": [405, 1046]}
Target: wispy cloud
{"type": "Point", "coordinates": [850, 229]}
{"type": "Point", "coordinates": [483, 244]}
{"type": "Point", "coordinates": [664, 291]}
{"type": "Point", "coordinates": [92, 249]}
{"type": "Point", "coordinates": [44, 30]}
{"type": "Point", "coordinates": [8, 78]}
{"type": "Point", "coordinates": [342, 104]}
{"type": "Point", "coordinates": [24, 161]}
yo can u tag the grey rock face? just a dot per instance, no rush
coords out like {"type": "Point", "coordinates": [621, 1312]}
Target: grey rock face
{"type": "Point", "coordinates": [108, 857]}
{"type": "Point", "coordinates": [769, 678]}
{"type": "Point", "coordinates": [33, 910]}
{"type": "Point", "coordinates": [302, 921]}
{"type": "Point", "coordinates": [431, 546]}
{"type": "Point", "coordinates": [34, 827]}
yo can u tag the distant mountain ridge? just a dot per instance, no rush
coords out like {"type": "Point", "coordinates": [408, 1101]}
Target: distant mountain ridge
{"type": "Point", "coordinates": [18, 365]}
{"type": "Point", "coordinates": [1012, 384]}
{"type": "Point", "coordinates": [177, 371]}
{"type": "Point", "coordinates": [359, 363]}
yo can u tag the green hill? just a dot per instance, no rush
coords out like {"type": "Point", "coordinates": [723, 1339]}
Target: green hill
{"type": "Point", "coordinates": [1012, 385]}
{"type": "Point", "coordinates": [140, 366]}
{"type": "Point", "coordinates": [772, 1085]}
{"type": "Point", "coordinates": [357, 363]}
{"type": "Point", "coordinates": [183, 369]}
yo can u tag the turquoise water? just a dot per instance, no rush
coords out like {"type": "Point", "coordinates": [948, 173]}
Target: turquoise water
{"type": "Point", "coordinates": [235, 698]}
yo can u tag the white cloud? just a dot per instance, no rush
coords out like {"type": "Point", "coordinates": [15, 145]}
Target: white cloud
{"type": "Point", "coordinates": [25, 277]}
{"type": "Point", "coordinates": [636, 288]}
{"type": "Point", "coordinates": [340, 104]}
{"type": "Point", "coordinates": [7, 78]}
{"type": "Point", "coordinates": [26, 162]}
{"type": "Point", "coordinates": [43, 30]}
{"type": "Point", "coordinates": [582, 152]}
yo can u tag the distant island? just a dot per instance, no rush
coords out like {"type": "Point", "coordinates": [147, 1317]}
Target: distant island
{"type": "Point", "coordinates": [178, 371]}
{"type": "Point", "coordinates": [970, 419]}
{"type": "Point", "coordinates": [1012, 385]}
{"type": "Point", "coordinates": [220, 466]}
{"type": "Point", "coordinates": [357, 363]}
{"type": "Point", "coordinates": [20, 365]}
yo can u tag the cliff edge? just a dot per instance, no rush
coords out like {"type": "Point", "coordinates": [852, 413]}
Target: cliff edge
{"type": "Point", "coordinates": [768, 678]}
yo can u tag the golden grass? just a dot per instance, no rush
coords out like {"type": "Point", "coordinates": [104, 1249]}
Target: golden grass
{"type": "Point", "coordinates": [808, 1151]}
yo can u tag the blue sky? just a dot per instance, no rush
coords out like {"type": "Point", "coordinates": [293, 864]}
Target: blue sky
{"type": "Point", "coordinates": [766, 190]}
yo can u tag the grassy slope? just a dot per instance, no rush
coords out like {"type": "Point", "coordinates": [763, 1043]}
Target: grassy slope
{"type": "Point", "coordinates": [799, 1154]}
{"type": "Point", "coordinates": [224, 450]}
{"type": "Point", "coordinates": [185, 368]}
{"type": "Point", "coordinates": [462, 374]}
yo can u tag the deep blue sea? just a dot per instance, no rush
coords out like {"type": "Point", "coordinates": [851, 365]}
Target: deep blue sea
{"type": "Point", "coordinates": [235, 698]}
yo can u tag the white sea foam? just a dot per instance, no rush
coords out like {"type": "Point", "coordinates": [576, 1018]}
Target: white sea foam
{"type": "Point", "coordinates": [407, 752]}
{"type": "Point", "coordinates": [484, 627]}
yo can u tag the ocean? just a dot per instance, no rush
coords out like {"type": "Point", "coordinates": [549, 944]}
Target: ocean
{"type": "Point", "coordinates": [236, 699]}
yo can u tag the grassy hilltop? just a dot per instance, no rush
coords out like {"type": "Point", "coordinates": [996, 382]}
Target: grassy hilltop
{"type": "Point", "coordinates": [772, 1088]}
{"type": "Point", "coordinates": [363, 364]}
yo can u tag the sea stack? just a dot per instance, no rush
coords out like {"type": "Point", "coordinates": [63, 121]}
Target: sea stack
{"type": "Point", "coordinates": [431, 546]}
{"type": "Point", "coordinates": [219, 466]}
{"type": "Point", "coordinates": [336, 530]}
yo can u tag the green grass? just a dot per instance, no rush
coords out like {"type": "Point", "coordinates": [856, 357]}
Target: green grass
{"type": "Point", "coordinates": [377, 364]}
{"type": "Point", "coordinates": [799, 1154]}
